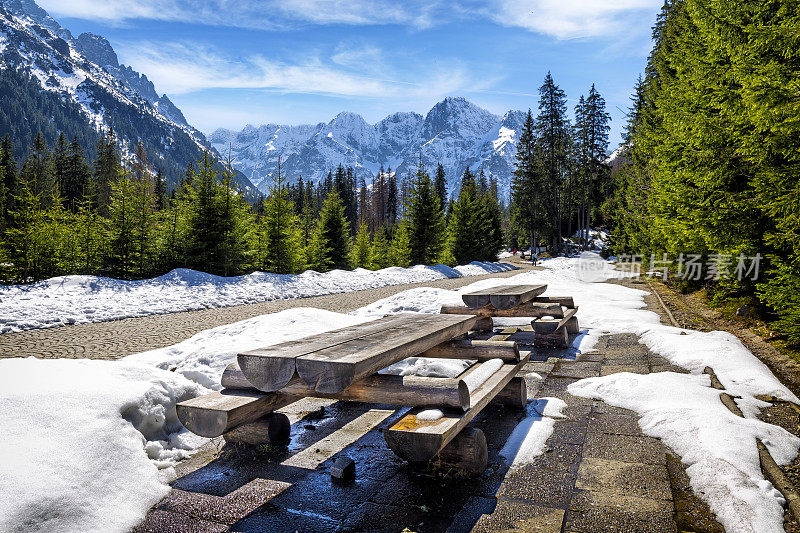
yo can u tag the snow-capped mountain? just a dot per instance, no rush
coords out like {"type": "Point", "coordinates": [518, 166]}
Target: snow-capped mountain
{"type": "Point", "coordinates": [83, 79]}
{"type": "Point", "coordinates": [455, 133]}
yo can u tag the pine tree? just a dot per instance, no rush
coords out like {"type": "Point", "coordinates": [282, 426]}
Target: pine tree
{"type": "Point", "coordinates": [392, 198]}
{"type": "Point", "coordinates": [282, 236]}
{"type": "Point", "coordinates": [330, 245]}
{"type": "Point", "coordinates": [379, 256]}
{"type": "Point", "coordinates": [528, 186]}
{"type": "Point", "coordinates": [552, 137]}
{"type": "Point", "coordinates": [106, 170]}
{"type": "Point", "coordinates": [76, 178]}
{"type": "Point", "coordinates": [8, 180]}
{"type": "Point", "coordinates": [400, 249]}
{"type": "Point", "coordinates": [360, 254]}
{"type": "Point", "coordinates": [441, 186]}
{"type": "Point", "coordinates": [425, 220]}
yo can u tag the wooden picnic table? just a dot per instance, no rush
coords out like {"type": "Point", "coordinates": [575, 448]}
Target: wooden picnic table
{"type": "Point", "coordinates": [503, 296]}
{"type": "Point", "coordinates": [343, 364]}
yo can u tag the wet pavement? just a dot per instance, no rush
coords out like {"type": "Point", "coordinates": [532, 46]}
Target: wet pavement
{"type": "Point", "coordinates": [598, 473]}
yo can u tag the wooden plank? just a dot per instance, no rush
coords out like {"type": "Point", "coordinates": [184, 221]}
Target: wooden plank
{"type": "Point", "coordinates": [418, 440]}
{"type": "Point", "coordinates": [333, 369]}
{"type": "Point", "coordinates": [216, 413]}
{"type": "Point", "coordinates": [521, 311]}
{"type": "Point", "coordinates": [475, 349]}
{"type": "Point", "coordinates": [567, 316]}
{"type": "Point", "coordinates": [478, 299]}
{"type": "Point", "coordinates": [548, 327]}
{"type": "Point", "coordinates": [565, 301]}
{"type": "Point", "coordinates": [515, 295]}
{"type": "Point", "coordinates": [271, 368]}
{"type": "Point", "coordinates": [410, 391]}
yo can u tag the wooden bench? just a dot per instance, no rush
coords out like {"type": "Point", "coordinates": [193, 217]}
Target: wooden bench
{"type": "Point", "coordinates": [553, 316]}
{"type": "Point", "coordinates": [343, 365]}
{"type": "Point", "coordinates": [502, 297]}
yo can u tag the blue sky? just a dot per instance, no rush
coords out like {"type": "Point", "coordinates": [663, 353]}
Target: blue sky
{"type": "Point", "coordinates": [227, 63]}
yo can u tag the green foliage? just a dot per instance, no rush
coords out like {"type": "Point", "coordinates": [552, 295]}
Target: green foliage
{"type": "Point", "coordinates": [713, 145]}
{"type": "Point", "coordinates": [361, 252]}
{"type": "Point", "coordinates": [379, 255]}
{"type": "Point", "coordinates": [330, 245]}
{"type": "Point", "coordinates": [425, 221]}
{"type": "Point", "coordinates": [281, 231]}
{"type": "Point", "coordinates": [400, 249]}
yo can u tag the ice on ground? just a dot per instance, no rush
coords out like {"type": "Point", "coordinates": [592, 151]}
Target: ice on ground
{"type": "Point", "coordinates": [81, 299]}
{"type": "Point", "coordinates": [527, 441]}
{"type": "Point", "coordinates": [718, 446]}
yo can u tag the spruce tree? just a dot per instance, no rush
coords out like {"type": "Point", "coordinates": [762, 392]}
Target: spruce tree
{"type": "Point", "coordinates": [425, 220]}
{"type": "Point", "coordinates": [379, 255]}
{"type": "Point", "coordinates": [360, 254]}
{"type": "Point", "coordinates": [400, 249]}
{"type": "Point", "coordinates": [8, 180]}
{"type": "Point", "coordinates": [465, 223]}
{"type": "Point", "coordinates": [106, 170]}
{"type": "Point", "coordinates": [330, 245]}
{"type": "Point", "coordinates": [441, 186]}
{"type": "Point", "coordinates": [76, 178]}
{"type": "Point", "coordinates": [283, 239]}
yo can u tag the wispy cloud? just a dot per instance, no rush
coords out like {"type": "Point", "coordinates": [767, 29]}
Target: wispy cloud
{"type": "Point", "coordinates": [179, 68]}
{"type": "Point", "coordinates": [563, 19]}
{"type": "Point", "coordinates": [266, 14]}
{"type": "Point", "coordinates": [570, 19]}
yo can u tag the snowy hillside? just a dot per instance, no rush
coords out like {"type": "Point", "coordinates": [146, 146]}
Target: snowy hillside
{"type": "Point", "coordinates": [85, 71]}
{"type": "Point", "coordinates": [454, 132]}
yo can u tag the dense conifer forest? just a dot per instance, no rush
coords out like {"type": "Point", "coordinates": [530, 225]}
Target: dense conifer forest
{"type": "Point", "coordinates": [712, 151]}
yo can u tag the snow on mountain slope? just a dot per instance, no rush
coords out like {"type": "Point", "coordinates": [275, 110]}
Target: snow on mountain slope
{"type": "Point", "coordinates": [85, 71]}
{"type": "Point", "coordinates": [455, 133]}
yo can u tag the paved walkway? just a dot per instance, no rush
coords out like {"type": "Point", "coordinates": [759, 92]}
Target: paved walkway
{"type": "Point", "coordinates": [118, 338]}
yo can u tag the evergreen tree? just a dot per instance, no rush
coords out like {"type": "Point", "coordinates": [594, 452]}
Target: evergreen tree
{"type": "Point", "coordinates": [76, 178]}
{"type": "Point", "coordinates": [528, 199]}
{"type": "Point", "coordinates": [360, 255]}
{"type": "Point", "coordinates": [282, 236]}
{"type": "Point", "coordinates": [400, 249]}
{"type": "Point", "coordinates": [392, 198]}
{"type": "Point", "coordinates": [122, 248]}
{"type": "Point", "coordinates": [160, 191]}
{"type": "Point", "coordinates": [552, 137]}
{"type": "Point", "coordinates": [379, 256]}
{"type": "Point", "coordinates": [106, 170]}
{"type": "Point", "coordinates": [425, 220]}
{"type": "Point", "coordinates": [8, 180]}
{"type": "Point", "coordinates": [441, 186]}
{"type": "Point", "coordinates": [330, 245]}
{"type": "Point", "coordinates": [465, 223]}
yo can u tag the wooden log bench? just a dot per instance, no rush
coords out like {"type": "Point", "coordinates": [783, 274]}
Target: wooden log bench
{"type": "Point", "coordinates": [554, 317]}
{"type": "Point", "coordinates": [344, 364]}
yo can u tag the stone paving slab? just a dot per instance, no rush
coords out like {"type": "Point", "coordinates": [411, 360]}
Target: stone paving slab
{"type": "Point", "coordinates": [487, 514]}
{"type": "Point", "coordinates": [634, 479]}
{"type": "Point", "coordinates": [626, 448]}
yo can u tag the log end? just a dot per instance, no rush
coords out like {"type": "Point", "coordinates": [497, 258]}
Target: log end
{"type": "Point", "coordinates": [467, 451]}
{"type": "Point", "coordinates": [202, 422]}
{"type": "Point", "coordinates": [272, 428]}
{"type": "Point", "coordinates": [267, 374]}
{"type": "Point", "coordinates": [326, 377]}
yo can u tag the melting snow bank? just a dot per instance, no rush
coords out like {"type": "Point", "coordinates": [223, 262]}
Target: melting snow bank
{"type": "Point", "coordinates": [81, 299]}
{"type": "Point", "coordinates": [77, 435]}
{"type": "Point", "coordinates": [718, 446]}
{"type": "Point", "coordinates": [528, 439]}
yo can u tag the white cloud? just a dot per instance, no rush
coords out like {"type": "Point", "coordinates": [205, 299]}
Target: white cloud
{"type": "Point", "coordinates": [569, 19]}
{"type": "Point", "coordinates": [562, 19]}
{"type": "Point", "coordinates": [265, 14]}
{"type": "Point", "coordinates": [180, 68]}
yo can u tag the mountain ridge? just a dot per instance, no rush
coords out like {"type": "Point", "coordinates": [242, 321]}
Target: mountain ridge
{"type": "Point", "coordinates": [85, 72]}
{"type": "Point", "coordinates": [454, 132]}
